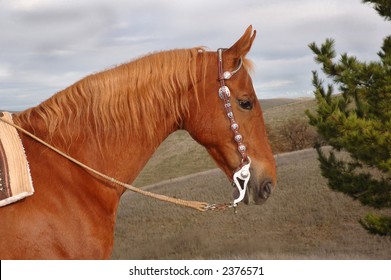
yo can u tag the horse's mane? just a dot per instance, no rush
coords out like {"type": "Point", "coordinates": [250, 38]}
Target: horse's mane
{"type": "Point", "coordinates": [132, 98]}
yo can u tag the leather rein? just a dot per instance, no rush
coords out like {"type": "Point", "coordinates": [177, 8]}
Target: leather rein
{"type": "Point", "coordinates": [241, 175]}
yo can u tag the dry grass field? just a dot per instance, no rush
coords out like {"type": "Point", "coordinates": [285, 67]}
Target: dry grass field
{"type": "Point", "coordinates": [303, 219]}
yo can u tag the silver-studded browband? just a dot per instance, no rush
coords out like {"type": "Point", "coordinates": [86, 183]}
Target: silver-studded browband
{"type": "Point", "coordinates": [242, 174]}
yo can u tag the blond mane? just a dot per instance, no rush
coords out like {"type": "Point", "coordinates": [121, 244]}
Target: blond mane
{"type": "Point", "coordinates": [131, 98]}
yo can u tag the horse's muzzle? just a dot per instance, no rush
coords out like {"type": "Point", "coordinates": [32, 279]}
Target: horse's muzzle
{"type": "Point", "coordinates": [259, 192]}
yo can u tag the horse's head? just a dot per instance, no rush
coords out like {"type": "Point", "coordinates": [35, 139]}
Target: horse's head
{"type": "Point", "coordinates": [230, 125]}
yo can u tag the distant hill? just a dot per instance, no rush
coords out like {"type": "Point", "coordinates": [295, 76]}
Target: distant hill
{"type": "Point", "coordinates": [270, 103]}
{"type": "Point", "coordinates": [283, 112]}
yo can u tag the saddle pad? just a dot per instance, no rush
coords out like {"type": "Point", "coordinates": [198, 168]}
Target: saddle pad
{"type": "Point", "coordinates": [15, 178]}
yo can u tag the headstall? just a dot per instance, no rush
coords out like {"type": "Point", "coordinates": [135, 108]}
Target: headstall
{"type": "Point", "coordinates": [242, 174]}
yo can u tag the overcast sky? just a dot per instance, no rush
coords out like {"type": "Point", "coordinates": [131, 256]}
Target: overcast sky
{"type": "Point", "coordinates": [46, 45]}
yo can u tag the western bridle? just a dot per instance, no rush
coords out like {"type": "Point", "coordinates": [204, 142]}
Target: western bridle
{"type": "Point", "coordinates": [241, 174]}
{"type": "Point", "coordinates": [240, 177]}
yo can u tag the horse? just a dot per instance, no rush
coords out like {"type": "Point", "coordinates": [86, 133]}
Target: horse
{"type": "Point", "coordinates": [113, 121]}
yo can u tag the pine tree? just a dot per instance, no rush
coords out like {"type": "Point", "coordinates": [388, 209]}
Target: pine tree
{"type": "Point", "coordinates": [383, 7]}
{"type": "Point", "coordinates": [357, 120]}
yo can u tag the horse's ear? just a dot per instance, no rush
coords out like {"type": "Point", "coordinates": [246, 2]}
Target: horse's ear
{"type": "Point", "coordinates": [243, 45]}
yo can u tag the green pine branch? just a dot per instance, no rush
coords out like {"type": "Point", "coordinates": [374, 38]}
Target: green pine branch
{"type": "Point", "coordinates": [357, 119]}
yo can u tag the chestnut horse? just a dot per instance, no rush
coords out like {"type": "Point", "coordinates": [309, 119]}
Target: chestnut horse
{"type": "Point", "coordinates": [113, 121]}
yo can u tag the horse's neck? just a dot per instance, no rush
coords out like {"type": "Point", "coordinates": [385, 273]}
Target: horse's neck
{"type": "Point", "coordinates": [122, 160]}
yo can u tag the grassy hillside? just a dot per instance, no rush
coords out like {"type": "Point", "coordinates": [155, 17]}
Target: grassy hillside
{"type": "Point", "coordinates": [303, 219]}
{"type": "Point", "coordinates": [275, 102]}
{"type": "Point", "coordinates": [278, 115]}
{"type": "Point", "coordinates": [178, 155]}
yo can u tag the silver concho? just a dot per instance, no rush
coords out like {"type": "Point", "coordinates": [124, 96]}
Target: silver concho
{"type": "Point", "coordinates": [238, 138]}
{"type": "Point", "coordinates": [242, 148]}
{"type": "Point", "coordinates": [234, 126]}
{"type": "Point", "coordinates": [224, 90]}
{"type": "Point", "coordinates": [227, 75]}
{"type": "Point", "coordinates": [245, 173]}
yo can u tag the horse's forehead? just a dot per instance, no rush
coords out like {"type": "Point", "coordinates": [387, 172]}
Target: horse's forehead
{"type": "Point", "coordinates": [242, 83]}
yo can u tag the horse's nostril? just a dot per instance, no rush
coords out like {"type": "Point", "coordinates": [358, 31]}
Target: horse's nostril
{"type": "Point", "coordinates": [265, 190]}
{"type": "Point", "coordinates": [268, 188]}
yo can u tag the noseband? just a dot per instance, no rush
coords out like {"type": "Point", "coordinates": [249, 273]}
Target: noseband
{"type": "Point", "coordinates": [241, 174]}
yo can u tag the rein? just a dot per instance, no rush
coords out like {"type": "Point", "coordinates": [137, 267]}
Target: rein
{"type": "Point", "coordinates": [242, 173]}
{"type": "Point", "coordinates": [200, 206]}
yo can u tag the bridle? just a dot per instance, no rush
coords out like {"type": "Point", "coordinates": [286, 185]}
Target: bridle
{"type": "Point", "coordinates": [241, 174]}
{"type": "Point", "coordinates": [240, 177]}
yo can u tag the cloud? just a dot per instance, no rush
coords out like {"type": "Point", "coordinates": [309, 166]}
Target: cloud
{"type": "Point", "coordinates": [47, 45]}
{"type": "Point", "coordinates": [25, 5]}
{"type": "Point", "coordinates": [4, 72]}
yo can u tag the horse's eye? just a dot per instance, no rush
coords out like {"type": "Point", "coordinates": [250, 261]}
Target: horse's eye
{"type": "Point", "coordinates": [245, 104]}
